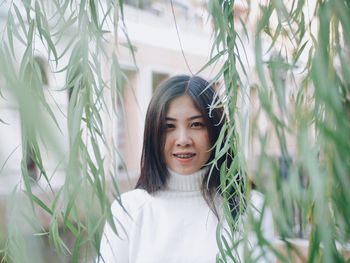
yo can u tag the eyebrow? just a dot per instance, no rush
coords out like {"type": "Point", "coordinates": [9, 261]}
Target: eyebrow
{"type": "Point", "coordinates": [190, 118]}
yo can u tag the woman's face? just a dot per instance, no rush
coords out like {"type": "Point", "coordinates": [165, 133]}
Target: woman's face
{"type": "Point", "coordinates": [187, 144]}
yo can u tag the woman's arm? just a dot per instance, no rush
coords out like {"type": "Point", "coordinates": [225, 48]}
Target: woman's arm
{"type": "Point", "coordinates": [115, 246]}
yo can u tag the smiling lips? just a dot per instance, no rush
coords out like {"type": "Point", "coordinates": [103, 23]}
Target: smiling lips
{"type": "Point", "coordinates": [184, 157]}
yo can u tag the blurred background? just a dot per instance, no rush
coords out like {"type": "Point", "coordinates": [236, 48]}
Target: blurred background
{"type": "Point", "coordinates": [76, 78]}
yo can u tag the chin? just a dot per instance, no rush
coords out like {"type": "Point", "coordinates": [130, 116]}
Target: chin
{"type": "Point", "coordinates": [186, 171]}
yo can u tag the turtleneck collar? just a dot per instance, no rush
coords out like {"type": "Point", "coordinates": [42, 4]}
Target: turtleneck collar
{"type": "Point", "coordinates": [186, 183]}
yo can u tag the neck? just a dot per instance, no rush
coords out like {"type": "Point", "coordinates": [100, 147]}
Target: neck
{"type": "Point", "coordinates": [186, 183]}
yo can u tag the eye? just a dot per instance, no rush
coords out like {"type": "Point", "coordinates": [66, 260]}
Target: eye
{"type": "Point", "coordinates": [169, 126]}
{"type": "Point", "coordinates": [197, 124]}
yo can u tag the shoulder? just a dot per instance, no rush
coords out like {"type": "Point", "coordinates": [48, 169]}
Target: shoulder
{"type": "Point", "coordinates": [136, 194]}
{"type": "Point", "coordinates": [131, 202]}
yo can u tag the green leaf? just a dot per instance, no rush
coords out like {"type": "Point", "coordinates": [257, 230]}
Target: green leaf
{"type": "Point", "coordinates": [51, 46]}
{"type": "Point", "coordinates": [38, 18]}
{"type": "Point", "coordinates": [76, 249]}
{"type": "Point", "coordinates": [30, 33]}
{"type": "Point", "coordinates": [10, 28]}
{"type": "Point", "coordinates": [93, 11]}
{"type": "Point", "coordinates": [19, 17]}
{"type": "Point", "coordinates": [41, 204]}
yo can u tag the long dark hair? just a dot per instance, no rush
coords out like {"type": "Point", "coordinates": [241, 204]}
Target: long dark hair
{"type": "Point", "coordinates": [154, 172]}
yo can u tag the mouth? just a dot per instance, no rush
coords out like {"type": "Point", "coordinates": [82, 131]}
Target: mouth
{"type": "Point", "coordinates": [184, 156]}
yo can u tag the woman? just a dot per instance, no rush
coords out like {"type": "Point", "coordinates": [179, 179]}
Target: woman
{"type": "Point", "coordinates": [173, 214]}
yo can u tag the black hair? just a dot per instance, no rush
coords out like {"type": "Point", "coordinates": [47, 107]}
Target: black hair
{"type": "Point", "coordinates": [154, 172]}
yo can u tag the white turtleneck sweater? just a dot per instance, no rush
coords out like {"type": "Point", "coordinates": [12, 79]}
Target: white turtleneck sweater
{"type": "Point", "coordinates": [173, 225]}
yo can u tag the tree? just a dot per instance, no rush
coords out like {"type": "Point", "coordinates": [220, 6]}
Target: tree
{"type": "Point", "coordinates": [301, 62]}
{"type": "Point", "coordinates": [299, 73]}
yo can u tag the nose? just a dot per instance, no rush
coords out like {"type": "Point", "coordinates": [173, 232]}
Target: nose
{"type": "Point", "coordinates": [183, 138]}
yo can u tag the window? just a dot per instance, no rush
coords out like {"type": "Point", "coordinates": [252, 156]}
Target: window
{"type": "Point", "coordinates": [142, 4]}
{"type": "Point", "coordinates": [126, 109]}
{"type": "Point", "coordinates": [157, 79]}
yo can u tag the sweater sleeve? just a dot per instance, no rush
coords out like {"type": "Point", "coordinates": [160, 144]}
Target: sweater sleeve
{"type": "Point", "coordinates": [115, 246]}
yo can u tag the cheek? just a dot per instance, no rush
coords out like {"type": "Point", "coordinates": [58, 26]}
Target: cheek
{"type": "Point", "coordinates": [206, 148]}
{"type": "Point", "coordinates": [205, 141]}
{"type": "Point", "coordinates": [167, 143]}
{"type": "Point", "coordinates": [208, 139]}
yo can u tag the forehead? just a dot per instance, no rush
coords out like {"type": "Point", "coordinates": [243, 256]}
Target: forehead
{"type": "Point", "coordinates": [182, 106]}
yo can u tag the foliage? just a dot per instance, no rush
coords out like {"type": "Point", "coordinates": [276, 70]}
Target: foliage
{"type": "Point", "coordinates": [302, 66]}
{"type": "Point", "coordinates": [301, 74]}
{"type": "Point", "coordinates": [74, 36]}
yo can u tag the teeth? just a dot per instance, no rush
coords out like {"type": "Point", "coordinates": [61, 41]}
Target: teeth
{"type": "Point", "coordinates": [184, 156]}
